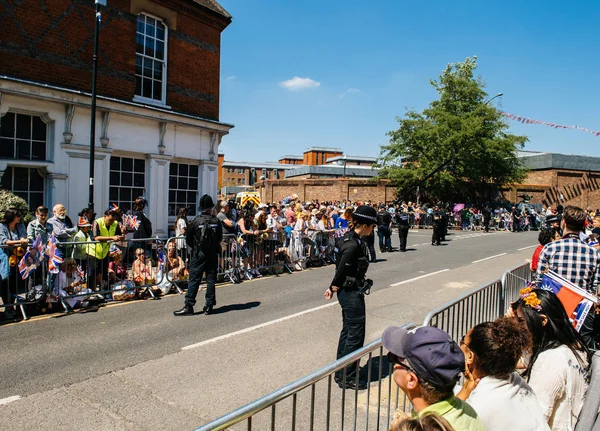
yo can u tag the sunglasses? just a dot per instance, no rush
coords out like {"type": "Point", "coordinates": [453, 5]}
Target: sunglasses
{"type": "Point", "coordinates": [395, 360]}
{"type": "Point", "coordinates": [141, 254]}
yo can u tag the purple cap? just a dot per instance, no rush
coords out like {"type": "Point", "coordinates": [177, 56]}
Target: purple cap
{"type": "Point", "coordinates": [434, 356]}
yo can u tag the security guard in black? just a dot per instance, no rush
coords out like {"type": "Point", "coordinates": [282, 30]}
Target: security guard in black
{"type": "Point", "coordinates": [403, 222]}
{"type": "Point", "coordinates": [349, 280]}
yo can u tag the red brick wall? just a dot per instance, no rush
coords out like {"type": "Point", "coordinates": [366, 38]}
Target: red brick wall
{"type": "Point", "coordinates": [52, 42]}
{"type": "Point", "coordinates": [327, 190]}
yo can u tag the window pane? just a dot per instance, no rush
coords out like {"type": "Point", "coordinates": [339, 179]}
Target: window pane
{"type": "Point", "coordinates": [138, 180]}
{"type": "Point", "coordinates": [141, 19]}
{"type": "Point", "coordinates": [127, 164]}
{"type": "Point", "coordinates": [194, 171]}
{"type": "Point", "coordinates": [138, 85]}
{"type": "Point", "coordinates": [172, 195]}
{"type": "Point", "coordinates": [181, 197]}
{"type": "Point", "coordinates": [126, 179]}
{"type": "Point", "coordinates": [115, 163]}
{"type": "Point", "coordinates": [125, 195]}
{"type": "Point", "coordinates": [23, 126]}
{"type": "Point", "coordinates": [136, 193]}
{"type": "Point", "coordinates": [39, 129]}
{"type": "Point", "coordinates": [149, 46]}
{"type": "Point", "coordinates": [38, 151]}
{"type": "Point", "coordinates": [35, 200]}
{"type": "Point", "coordinates": [147, 88]}
{"type": "Point", "coordinates": [20, 179]}
{"type": "Point", "coordinates": [173, 168]}
{"type": "Point", "coordinates": [138, 64]}
{"type": "Point", "coordinates": [139, 166]}
{"type": "Point", "coordinates": [139, 43]}
{"type": "Point", "coordinates": [113, 194]}
{"type": "Point", "coordinates": [157, 95]}
{"type": "Point", "coordinates": [23, 150]}
{"type": "Point", "coordinates": [7, 179]}
{"type": "Point", "coordinates": [157, 70]}
{"type": "Point", "coordinates": [183, 183]}
{"type": "Point", "coordinates": [7, 148]}
{"type": "Point", "coordinates": [7, 125]}
{"type": "Point", "coordinates": [191, 197]}
{"type": "Point", "coordinates": [172, 182]}
{"type": "Point", "coordinates": [193, 184]}
{"type": "Point", "coordinates": [160, 30]}
{"type": "Point", "coordinates": [36, 181]}
{"type": "Point", "coordinates": [172, 210]}
{"type": "Point", "coordinates": [193, 209]}
{"type": "Point", "coordinates": [160, 50]}
{"type": "Point", "coordinates": [150, 26]}
{"type": "Point", "coordinates": [183, 170]}
{"type": "Point", "coordinates": [115, 178]}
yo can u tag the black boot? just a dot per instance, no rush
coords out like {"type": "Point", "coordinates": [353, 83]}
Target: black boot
{"type": "Point", "coordinates": [207, 309]}
{"type": "Point", "coordinates": [187, 310]}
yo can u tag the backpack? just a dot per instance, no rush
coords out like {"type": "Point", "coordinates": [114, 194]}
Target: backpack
{"type": "Point", "coordinates": [204, 234]}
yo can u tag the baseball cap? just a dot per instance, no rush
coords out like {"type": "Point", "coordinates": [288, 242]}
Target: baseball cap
{"type": "Point", "coordinates": [434, 356]}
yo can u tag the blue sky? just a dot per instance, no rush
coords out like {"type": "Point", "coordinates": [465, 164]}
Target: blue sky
{"type": "Point", "coordinates": [359, 64]}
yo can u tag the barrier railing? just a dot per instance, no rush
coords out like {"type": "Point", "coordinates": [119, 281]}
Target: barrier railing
{"type": "Point", "coordinates": [513, 281]}
{"type": "Point", "coordinates": [316, 399]}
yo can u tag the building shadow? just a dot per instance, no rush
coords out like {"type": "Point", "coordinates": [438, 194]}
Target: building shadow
{"type": "Point", "coordinates": [377, 364]}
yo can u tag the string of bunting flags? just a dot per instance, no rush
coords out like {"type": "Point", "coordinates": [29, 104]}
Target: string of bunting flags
{"type": "Point", "coordinates": [526, 120]}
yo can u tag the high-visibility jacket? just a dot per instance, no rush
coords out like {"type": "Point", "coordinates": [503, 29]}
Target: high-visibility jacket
{"type": "Point", "coordinates": [81, 251]}
{"type": "Point", "coordinates": [102, 248]}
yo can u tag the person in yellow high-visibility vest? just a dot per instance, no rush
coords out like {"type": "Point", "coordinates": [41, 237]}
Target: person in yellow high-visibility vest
{"type": "Point", "coordinates": [105, 230]}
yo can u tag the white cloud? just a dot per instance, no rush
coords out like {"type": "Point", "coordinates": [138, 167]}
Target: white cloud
{"type": "Point", "coordinates": [297, 83]}
{"type": "Point", "coordinates": [231, 78]}
{"type": "Point", "coordinates": [349, 91]}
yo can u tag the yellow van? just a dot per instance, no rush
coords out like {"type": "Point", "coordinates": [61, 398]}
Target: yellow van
{"type": "Point", "coordinates": [242, 198]}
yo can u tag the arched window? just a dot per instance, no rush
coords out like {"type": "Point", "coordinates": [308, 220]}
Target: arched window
{"type": "Point", "coordinates": [151, 59]}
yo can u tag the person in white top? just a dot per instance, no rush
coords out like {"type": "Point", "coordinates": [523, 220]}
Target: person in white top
{"type": "Point", "coordinates": [558, 368]}
{"type": "Point", "coordinates": [502, 399]}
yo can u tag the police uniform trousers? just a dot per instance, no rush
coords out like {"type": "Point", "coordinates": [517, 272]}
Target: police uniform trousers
{"type": "Point", "coordinates": [201, 264]}
{"type": "Point", "coordinates": [403, 235]}
{"type": "Point", "coordinates": [354, 321]}
{"type": "Point", "coordinates": [370, 240]}
{"type": "Point", "coordinates": [435, 237]}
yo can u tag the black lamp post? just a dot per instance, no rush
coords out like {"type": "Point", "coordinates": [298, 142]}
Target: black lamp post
{"type": "Point", "coordinates": [497, 95]}
{"type": "Point", "coordinates": [97, 22]}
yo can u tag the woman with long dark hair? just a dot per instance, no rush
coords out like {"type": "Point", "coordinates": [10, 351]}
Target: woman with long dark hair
{"type": "Point", "coordinates": [13, 241]}
{"type": "Point", "coordinates": [558, 368]}
{"type": "Point", "coordinates": [180, 228]}
{"type": "Point", "coordinates": [492, 387]}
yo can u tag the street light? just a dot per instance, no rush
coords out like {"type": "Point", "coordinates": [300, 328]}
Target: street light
{"type": "Point", "coordinates": [497, 95]}
{"type": "Point", "coordinates": [97, 22]}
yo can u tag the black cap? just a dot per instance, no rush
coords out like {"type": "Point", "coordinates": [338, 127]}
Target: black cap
{"type": "Point", "coordinates": [552, 219]}
{"type": "Point", "coordinates": [365, 215]}
{"type": "Point", "coordinates": [206, 203]}
{"type": "Point", "coordinates": [434, 356]}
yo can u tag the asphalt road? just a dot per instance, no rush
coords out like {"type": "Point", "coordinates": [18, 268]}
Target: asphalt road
{"type": "Point", "coordinates": [141, 343]}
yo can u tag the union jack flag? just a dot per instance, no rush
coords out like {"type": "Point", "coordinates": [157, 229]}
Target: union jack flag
{"type": "Point", "coordinates": [80, 272]}
{"type": "Point", "coordinates": [161, 258]}
{"type": "Point", "coordinates": [54, 256]}
{"type": "Point", "coordinates": [37, 250]}
{"type": "Point", "coordinates": [27, 265]}
{"type": "Point", "coordinates": [114, 207]}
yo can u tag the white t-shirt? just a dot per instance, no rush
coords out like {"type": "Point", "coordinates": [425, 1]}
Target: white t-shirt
{"type": "Point", "coordinates": [507, 405]}
{"type": "Point", "coordinates": [181, 225]}
{"type": "Point", "coordinates": [560, 384]}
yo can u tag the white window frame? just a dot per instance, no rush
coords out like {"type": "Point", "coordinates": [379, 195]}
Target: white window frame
{"type": "Point", "coordinates": [147, 100]}
{"type": "Point", "coordinates": [177, 189]}
{"type": "Point", "coordinates": [120, 202]}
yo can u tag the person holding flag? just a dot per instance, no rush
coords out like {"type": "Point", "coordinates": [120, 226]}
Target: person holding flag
{"type": "Point", "coordinates": [13, 239]}
{"type": "Point", "coordinates": [40, 227]}
{"type": "Point", "coordinates": [575, 261]}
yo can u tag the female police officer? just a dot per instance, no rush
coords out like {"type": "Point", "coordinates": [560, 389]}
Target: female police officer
{"type": "Point", "coordinates": [350, 284]}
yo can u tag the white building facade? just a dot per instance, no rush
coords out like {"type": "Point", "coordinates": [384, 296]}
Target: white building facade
{"type": "Point", "coordinates": [169, 158]}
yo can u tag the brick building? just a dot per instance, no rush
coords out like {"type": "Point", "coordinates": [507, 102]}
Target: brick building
{"type": "Point", "coordinates": [291, 160]}
{"type": "Point", "coordinates": [157, 126]}
{"type": "Point", "coordinates": [248, 173]}
{"type": "Point", "coordinates": [559, 179]}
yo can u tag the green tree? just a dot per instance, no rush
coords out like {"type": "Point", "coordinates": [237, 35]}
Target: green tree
{"type": "Point", "coordinates": [460, 133]}
{"type": "Point", "coordinates": [10, 200]}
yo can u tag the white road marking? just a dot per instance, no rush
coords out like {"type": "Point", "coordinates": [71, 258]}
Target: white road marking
{"type": "Point", "coordinates": [418, 278]}
{"type": "Point", "coordinates": [414, 245]}
{"type": "Point", "coordinates": [254, 328]}
{"type": "Point", "coordinates": [5, 401]}
{"type": "Point", "coordinates": [525, 248]}
{"type": "Point", "coordinates": [488, 258]}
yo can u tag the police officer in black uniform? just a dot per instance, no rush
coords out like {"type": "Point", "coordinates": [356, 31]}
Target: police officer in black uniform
{"type": "Point", "coordinates": [384, 231]}
{"type": "Point", "coordinates": [437, 224]}
{"type": "Point", "coordinates": [351, 286]}
{"type": "Point", "coordinates": [403, 222]}
{"type": "Point", "coordinates": [204, 258]}
{"type": "Point", "coordinates": [443, 223]}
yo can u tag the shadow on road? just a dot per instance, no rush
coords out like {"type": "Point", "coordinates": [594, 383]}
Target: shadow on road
{"type": "Point", "coordinates": [375, 364]}
{"type": "Point", "coordinates": [235, 307]}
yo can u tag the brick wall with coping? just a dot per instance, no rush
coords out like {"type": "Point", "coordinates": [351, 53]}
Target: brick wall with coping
{"type": "Point", "coordinates": [51, 42]}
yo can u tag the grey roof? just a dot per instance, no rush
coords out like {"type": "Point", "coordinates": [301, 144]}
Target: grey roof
{"type": "Point", "coordinates": [214, 6]}
{"type": "Point", "coordinates": [257, 165]}
{"type": "Point", "coordinates": [326, 149]}
{"type": "Point", "coordinates": [332, 170]}
{"type": "Point", "coordinates": [352, 158]}
{"type": "Point", "coordinates": [292, 157]}
{"type": "Point", "coordinates": [537, 161]}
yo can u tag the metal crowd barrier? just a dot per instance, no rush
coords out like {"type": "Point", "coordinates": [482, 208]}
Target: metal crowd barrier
{"type": "Point", "coordinates": [317, 399]}
{"type": "Point", "coordinates": [484, 304]}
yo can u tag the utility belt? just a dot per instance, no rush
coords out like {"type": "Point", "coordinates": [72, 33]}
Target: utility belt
{"type": "Point", "coordinates": [362, 285]}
